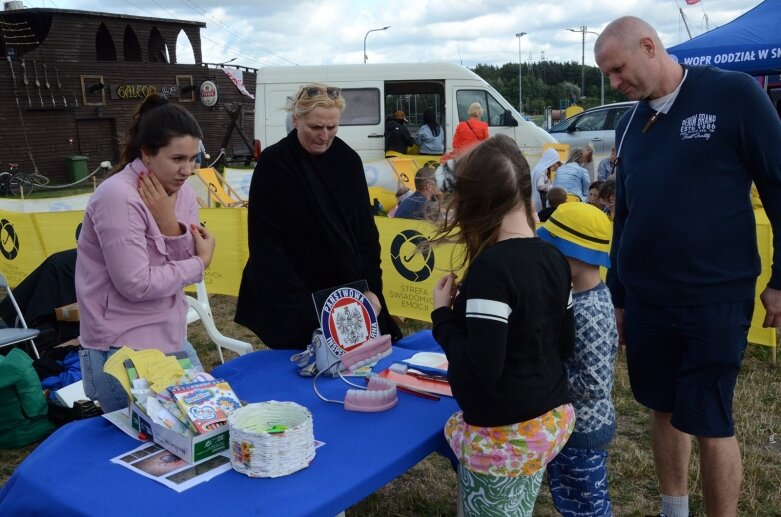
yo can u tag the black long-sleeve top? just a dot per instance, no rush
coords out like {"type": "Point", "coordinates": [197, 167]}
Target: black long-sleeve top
{"type": "Point", "coordinates": [509, 331]}
{"type": "Point", "coordinates": [397, 136]}
{"type": "Point", "coordinates": [310, 227]}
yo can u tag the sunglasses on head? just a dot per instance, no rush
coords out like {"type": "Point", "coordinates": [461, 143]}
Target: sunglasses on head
{"type": "Point", "coordinates": [312, 91]}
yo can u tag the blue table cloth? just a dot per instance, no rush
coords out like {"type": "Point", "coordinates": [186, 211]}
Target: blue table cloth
{"type": "Point", "coordinates": [70, 473]}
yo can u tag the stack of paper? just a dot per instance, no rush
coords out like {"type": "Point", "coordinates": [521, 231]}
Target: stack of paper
{"type": "Point", "coordinates": [71, 393]}
{"type": "Point", "coordinates": [418, 382]}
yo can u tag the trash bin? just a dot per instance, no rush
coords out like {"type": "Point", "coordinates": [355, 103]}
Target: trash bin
{"type": "Point", "coordinates": [77, 167]}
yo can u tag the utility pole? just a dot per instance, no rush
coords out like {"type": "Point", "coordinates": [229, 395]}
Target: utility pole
{"type": "Point", "coordinates": [583, 33]}
{"type": "Point", "coordinates": [519, 35]}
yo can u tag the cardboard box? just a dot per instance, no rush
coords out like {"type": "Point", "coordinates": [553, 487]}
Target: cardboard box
{"type": "Point", "coordinates": [67, 312]}
{"type": "Point", "coordinates": [191, 449]}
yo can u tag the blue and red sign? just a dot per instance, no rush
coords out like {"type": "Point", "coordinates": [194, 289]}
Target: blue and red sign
{"type": "Point", "coordinates": [347, 320]}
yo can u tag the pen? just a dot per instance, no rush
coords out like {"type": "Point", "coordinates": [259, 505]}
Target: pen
{"type": "Point", "coordinates": [419, 393]}
{"type": "Point", "coordinates": [432, 378]}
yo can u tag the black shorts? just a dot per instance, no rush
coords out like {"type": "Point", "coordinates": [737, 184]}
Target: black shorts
{"type": "Point", "coordinates": [684, 360]}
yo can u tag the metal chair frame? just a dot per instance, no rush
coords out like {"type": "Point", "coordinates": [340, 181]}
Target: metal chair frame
{"type": "Point", "coordinates": [13, 335]}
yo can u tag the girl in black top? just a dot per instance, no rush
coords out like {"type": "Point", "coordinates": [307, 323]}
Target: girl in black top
{"type": "Point", "coordinates": [506, 331]}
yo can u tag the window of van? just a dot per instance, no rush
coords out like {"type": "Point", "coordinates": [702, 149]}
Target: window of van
{"type": "Point", "coordinates": [493, 112]}
{"type": "Point", "coordinates": [413, 105]}
{"type": "Point", "coordinates": [363, 107]}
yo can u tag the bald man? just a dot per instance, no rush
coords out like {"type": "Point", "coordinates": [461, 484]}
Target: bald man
{"type": "Point", "coordinates": [684, 249]}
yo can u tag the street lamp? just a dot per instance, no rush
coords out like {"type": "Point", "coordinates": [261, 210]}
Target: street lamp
{"type": "Point", "coordinates": [519, 35]}
{"type": "Point", "coordinates": [365, 57]}
{"type": "Point", "coordinates": [583, 33]}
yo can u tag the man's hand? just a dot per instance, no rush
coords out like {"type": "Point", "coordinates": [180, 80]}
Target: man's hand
{"type": "Point", "coordinates": [771, 299]}
{"type": "Point", "coordinates": [160, 204]}
{"type": "Point", "coordinates": [620, 328]}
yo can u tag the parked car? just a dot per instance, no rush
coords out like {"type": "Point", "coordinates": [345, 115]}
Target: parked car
{"type": "Point", "coordinates": [595, 126]}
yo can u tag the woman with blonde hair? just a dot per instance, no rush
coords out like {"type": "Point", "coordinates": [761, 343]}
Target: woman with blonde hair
{"type": "Point", "coordinates": [471, 131]}
{"type": "Point", "coordinates": [506, 331]}
{"type": "Point", "coordinates": [572, 177]}
{"type": "Point", "coordinates": [310, 225]}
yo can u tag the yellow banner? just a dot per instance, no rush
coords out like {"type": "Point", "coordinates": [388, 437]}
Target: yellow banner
{"type": "Point", "coordinates": [757, 334]}
{"type": "Point", "coordinates": [408, 277]}
{"type": "Point", "coordinates": [229, 228]}
{"type": "Point", "coordinates": [26, 239]}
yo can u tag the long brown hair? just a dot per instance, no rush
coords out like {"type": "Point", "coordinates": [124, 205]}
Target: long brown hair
{"type": "Point", "coordinates": [491, 180]}
{"type": "Point", "coordinates": [154, 124]}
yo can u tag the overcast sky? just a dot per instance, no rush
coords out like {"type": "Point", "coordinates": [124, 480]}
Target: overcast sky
{"type": "Point", "coordinates": [283, 32]}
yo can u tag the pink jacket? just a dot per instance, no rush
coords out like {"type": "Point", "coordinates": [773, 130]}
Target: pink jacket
{"type": "Point", "coordinates": [129, 277]}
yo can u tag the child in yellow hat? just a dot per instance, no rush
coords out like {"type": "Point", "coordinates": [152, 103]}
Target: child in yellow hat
{"type": "Point", "coordinates": [577, 477]}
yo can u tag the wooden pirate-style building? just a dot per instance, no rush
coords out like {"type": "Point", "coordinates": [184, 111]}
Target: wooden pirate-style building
{"type": "Point", "coordinates": [71, 80]}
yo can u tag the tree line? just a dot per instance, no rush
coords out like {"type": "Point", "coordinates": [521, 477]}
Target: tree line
{"type": "Point", "coordinates": [548, 83]}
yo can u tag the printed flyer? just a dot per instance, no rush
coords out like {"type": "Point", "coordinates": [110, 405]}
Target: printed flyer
{"type": "Point", "coordinates": [154, 462]}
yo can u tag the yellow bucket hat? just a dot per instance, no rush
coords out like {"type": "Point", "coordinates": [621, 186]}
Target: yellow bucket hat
{"type": "Point", "coordinates": [580, 231]}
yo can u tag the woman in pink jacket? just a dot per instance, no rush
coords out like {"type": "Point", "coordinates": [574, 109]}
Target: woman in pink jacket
{"type": "Point", "coordinates": [140, 245]}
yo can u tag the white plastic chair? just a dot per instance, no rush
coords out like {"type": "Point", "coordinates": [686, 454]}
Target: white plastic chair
{"type": "Point", "coordinates": [12, 336]}
{"type": "Point", "coordinates": [199, 309]}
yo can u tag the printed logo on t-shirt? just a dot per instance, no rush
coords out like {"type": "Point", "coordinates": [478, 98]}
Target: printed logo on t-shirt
{"type": "Point", "coordinates": [701, 125]}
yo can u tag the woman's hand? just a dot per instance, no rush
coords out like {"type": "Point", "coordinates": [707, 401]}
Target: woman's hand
{"type": "Point", "coordinates": [445, 291]}
{"type": "Point", "coordinates": [160, 204]}
{"type": "Point", "coordinates": [204, 244]}
{"type": "Point", "coordinates": [374, 300]}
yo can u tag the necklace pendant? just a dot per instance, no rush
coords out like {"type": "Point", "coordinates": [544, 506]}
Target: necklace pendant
{"type": "Point", "coordinates": [650, 122]}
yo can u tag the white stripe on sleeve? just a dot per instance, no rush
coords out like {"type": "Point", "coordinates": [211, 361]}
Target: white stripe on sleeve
{"type": "Point", "coordinates": [487, 309]}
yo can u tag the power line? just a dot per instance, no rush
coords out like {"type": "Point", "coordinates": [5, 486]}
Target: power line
{"type": "Point", "coordinates": [150, 13]}
{"type": "Point", "coordinates": [239, 52]}
{"type": "Point", "coordinates": [229, 29]}
{"type": "Point", "coordinates": [219, 44]}
{"type": "Point", "coordinates": [173, 16]}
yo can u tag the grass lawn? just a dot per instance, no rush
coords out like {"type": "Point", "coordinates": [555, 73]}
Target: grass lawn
{"type": "Point", "coordinates": [429, 489]}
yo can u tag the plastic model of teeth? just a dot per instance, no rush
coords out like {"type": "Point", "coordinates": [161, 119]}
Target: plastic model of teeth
{"type": "Point", "coordinates": [380, 395]}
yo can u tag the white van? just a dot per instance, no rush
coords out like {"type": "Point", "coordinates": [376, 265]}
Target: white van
{"type": "Point", "coordinates": [375, 91]}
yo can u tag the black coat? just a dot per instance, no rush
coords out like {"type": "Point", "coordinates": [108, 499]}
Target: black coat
{"type": "Point", "coordinates": [397, 137]}
{"type": "Point", "coordinates": [310, 227]}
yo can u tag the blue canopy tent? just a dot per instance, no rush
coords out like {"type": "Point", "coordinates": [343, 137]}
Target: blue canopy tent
{"type": "Point", "coordinates": [751, 43]}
